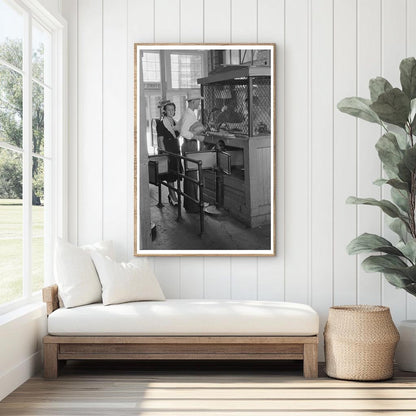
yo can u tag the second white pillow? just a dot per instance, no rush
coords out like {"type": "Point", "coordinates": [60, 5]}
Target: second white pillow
{"type": "Point", "coordinates": [126, 282]}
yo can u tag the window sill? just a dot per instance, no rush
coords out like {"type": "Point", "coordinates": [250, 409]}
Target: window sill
{"type": "Point", "coordinates": [33, 307]}
{"type": "Point", "coordinates": [20, 302]}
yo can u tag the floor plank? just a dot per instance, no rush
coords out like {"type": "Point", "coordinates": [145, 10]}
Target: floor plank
{"type": "Point", "coordinates": [176, 389]}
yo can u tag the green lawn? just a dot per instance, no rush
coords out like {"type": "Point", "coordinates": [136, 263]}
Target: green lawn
{"type": "Point", "coordinates": [11, 249]}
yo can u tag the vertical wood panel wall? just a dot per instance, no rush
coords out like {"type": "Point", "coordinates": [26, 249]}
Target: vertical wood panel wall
{"type": "Point", "coordinates": [326, 50]}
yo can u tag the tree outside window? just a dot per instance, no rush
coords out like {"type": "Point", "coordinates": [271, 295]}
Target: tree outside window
{"type": "Point", "coordinates": [12, 96]}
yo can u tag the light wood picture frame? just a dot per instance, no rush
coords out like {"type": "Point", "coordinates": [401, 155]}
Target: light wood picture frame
{"type": "Point", "coordinates": [204, 150]}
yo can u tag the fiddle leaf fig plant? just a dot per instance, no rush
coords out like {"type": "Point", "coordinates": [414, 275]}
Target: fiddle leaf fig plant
{"type": "Point", "coordinates": [394, 109]}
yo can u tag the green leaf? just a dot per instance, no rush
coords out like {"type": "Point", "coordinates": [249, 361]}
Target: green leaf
{"type": "Point", "coordinates": [398, 184]}
{"type": "Point", "coordinates": [401, 139]}
{"type": "Point", "coordinates": [380, 182]}
{"type": "Point", "coordinates": [392, 107]}
{"type": "Point", "coordinates": [400, 198]}
{"type": "Point", "coordinates": [366, 243]}
{"type": "Point", "coordinates": [412, 116]}
{"type": "Point", "coordinates": [404, 173]}
{"type": "Point", "coordinates": [410, 272]}
{"type": "Point", "coordinates": [408, 249]}
{"type": "Point", "coordinates": [412, 109]}
{"type": "Point", "coordinates": [396, 271]}
{"type": "Point", "coordinates": [411, 289]}
{"type": "Point", "coordinates": [389, 151]}
{"type": "Point", "coordinates": [381, 263]}
{"type": "Point", "coordinates": [400, 228]}
{"type": "Point", "coordinates": [410, 158]}
{"type": "Point", "coordinates": [389, 208]}
{"type": "Point", "coordinates": [359, 107]}
{"type": "Point", "coordinates": [390, 173]}
{"type": "Point", "coordinates": [397, 280]}
{"type": "Point", "coordinates": [378, 86]}
{"type": "Point", "coordinates": [394, 183]}
{"type": "Point", "coordinates": [408, 77]}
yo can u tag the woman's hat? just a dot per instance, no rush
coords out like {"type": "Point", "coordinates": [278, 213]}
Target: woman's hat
{"type": "Point", "coordinates": [194, 95]}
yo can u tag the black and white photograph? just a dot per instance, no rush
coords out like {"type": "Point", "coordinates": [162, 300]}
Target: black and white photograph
{"type": "Point", "coordinates": [204, 149]}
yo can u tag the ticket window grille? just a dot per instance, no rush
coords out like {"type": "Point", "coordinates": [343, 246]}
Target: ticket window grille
{"type": "Point", "coordinates": [226, 104]}
{"type": "Point", "coordinates": [241, 105]}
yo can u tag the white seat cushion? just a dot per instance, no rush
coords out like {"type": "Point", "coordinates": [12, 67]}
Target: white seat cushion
{"type": "Point", "coordinates": [187, 317]}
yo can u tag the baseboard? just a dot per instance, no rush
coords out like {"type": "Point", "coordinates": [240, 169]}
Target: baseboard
{"type": "Point", "coordinates": [10, 380]}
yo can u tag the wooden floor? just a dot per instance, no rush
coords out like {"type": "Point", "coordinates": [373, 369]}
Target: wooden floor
{"type": "Point", "coordinates": [221, 389]}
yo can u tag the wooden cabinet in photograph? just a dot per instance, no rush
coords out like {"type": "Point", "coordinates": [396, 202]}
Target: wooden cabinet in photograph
{"type": "Point", "coordinates": [247, 191]}
{"type": "Point", "coordinates": [237, 110]}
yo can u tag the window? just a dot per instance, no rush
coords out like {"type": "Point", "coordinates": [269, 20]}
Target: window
{"type": "Point", "coordinates": [185, 70]}
{"type": "Point", "coordinates": [258, 57]}
{"type": "Point", "coordinates": [30, 139]}
{"type": "Point", "coordinates": [168, 74]}
{"type": "Point", "coordinates": [151, 67]}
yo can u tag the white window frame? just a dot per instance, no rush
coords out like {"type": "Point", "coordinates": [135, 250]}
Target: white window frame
{"type": "Point", "coordinates": [170, 91]}
{"type": "Point", "coordinates": [58, 178]}
{"type": "Point", "coordinates": [184, 91]}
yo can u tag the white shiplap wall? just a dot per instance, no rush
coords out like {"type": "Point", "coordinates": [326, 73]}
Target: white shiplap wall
{"type": "Point", "coordinates": [326, 50]}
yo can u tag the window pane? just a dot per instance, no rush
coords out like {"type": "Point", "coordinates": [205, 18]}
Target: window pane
{"type": "Point", "coordinates": [261, 57]}
{"type": "Point", "coordinates": [11, 106]}
{"type": "Point", "coordinates": [151, 67]}
{"type": "Point", "coordinates": [235, 57]}
{"type": "Point", "coordinates": [38, 230]}
{"type": "Point", "coordinates": [185, 70]}
{"type": "Point", "coordinates": [11, 226]}
{"type": "Point", "coordinates": [246, 56]}
{"type": "Point", "coordinates": [38, 118]}
{"type": "Point", "coordinates": [11, 34]}
{"type": "Point", "coordinates": [41, 45]}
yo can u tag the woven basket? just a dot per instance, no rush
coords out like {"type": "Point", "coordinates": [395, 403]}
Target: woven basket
{"type": "Point", "coordinates": [360, 341]}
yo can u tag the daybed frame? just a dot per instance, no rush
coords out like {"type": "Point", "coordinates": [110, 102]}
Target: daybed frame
{"type": "Point", "coordinates": [57, 349]}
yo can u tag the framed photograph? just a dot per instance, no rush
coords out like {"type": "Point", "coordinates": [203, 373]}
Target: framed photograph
{"type": "Point", "coordinates": [204, 128]}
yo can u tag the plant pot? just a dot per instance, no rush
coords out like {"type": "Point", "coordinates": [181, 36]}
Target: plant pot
{"type": "Point", "coordinates": [360, 341]}
{"type": "Point", "coordinates": [406, 349]}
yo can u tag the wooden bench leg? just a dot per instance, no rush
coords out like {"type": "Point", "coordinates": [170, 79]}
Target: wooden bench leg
{"type": "Point", "coordinates": [310, 360]}
{"type": "Point", "coordinates": [50, 360]}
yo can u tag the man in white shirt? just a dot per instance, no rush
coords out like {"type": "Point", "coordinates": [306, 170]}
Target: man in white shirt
{"type": "Point", "coordinates": [187, 120]}
{"type": "Point", "coordinates": [190, 144]}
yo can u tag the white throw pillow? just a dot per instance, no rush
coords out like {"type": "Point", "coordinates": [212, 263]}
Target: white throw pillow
{"type": "Point", "coordinates": [126, 282]}
{"type": "Point", "coordinates": [75, 273]}
{"type": "Point", "coordinates": [103, 247]}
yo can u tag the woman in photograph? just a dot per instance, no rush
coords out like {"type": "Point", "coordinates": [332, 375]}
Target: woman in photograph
{"type": "Point", "coordinates": [167, 134]}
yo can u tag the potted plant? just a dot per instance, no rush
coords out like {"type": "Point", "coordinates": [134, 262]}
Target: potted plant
{"type": "Point", "coordinates": [394, 109]}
